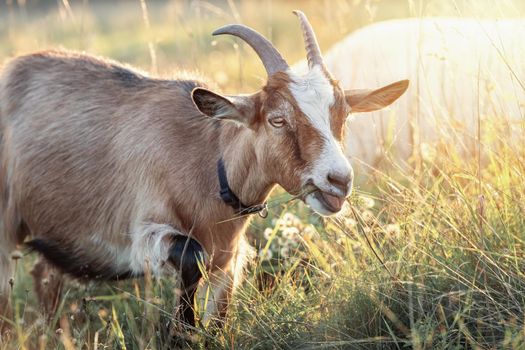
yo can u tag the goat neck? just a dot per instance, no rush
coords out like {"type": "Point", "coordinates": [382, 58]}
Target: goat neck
{"type": "Point", "coordinates": [246, 175]}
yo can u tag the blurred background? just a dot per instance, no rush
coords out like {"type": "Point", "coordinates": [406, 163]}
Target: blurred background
{"type": "Point", "coordinates": [165, 36]}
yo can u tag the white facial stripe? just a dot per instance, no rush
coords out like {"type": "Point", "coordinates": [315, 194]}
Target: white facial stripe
{"type": "Point", "coordinates": [315, 95]}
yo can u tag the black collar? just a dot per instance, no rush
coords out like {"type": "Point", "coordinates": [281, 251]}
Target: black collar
{"type": "Point", "coordinates": [231, 199]}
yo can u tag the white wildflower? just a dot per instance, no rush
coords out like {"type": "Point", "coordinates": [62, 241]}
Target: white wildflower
{"type": "Point", "coordinates": [367, 202]}
{"type": "Point", "coordinates": [285, 252]}
{"type": "Point", "coordinates": [367, 216]}
{"type": "Point", "coordinates": [280, 224]}
{"type": "Point", "coordinates": [267, 233]}
{"type": "Point", "coordinates": [265, 255]}
{"type": "Point", "coordinates": [309, 231]}
{"type": "Point", "coordinates": [282, 241]}
{"type": "Point", "coordinates": [392, 229]}
{"type": "Point", "coordinates": [290, 232]}
{"type": "Point", "coordinates": [291, 220]}
{"type": "Point", "coordinates": [350, 223]}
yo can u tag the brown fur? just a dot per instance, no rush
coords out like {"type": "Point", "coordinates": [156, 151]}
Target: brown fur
{"type": "Point", "coordinates": [338, 111]}
{"type": "Point", "coordinates": [90, 149]}
{"type": "Point", "coordinates": [82, 154]}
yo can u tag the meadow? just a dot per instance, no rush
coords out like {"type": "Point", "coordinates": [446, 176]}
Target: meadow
{"type": "Point", "coordinates": [427, 257]}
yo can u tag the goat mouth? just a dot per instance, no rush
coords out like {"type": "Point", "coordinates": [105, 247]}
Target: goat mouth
{"type": "Point", "coordinates": [331, 202]}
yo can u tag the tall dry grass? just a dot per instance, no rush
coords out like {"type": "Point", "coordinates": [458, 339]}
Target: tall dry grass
{"type": "Point", "coordinates": [432, 259]}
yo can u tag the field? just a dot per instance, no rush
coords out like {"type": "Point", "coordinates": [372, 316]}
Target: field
{"type": "Point", "coordinates": [428, 257]}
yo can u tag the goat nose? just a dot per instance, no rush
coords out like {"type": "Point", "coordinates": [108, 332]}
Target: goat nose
{"type": "Point", "coordinates": [341, 181]}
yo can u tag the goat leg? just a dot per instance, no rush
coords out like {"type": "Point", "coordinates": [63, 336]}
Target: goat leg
{"type": "Point", "coordinates": [187, 256]}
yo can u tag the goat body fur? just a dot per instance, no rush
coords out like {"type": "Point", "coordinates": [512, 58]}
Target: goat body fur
{"type": "Point", "coordinates": [132, 162]}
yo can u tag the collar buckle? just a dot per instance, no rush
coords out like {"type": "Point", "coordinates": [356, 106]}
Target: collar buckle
{"type": "Point", "coordinates": [263, 213]}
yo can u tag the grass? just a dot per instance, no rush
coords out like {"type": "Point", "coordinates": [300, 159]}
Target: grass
{"type": "Point", "coordinates": [432, 258]}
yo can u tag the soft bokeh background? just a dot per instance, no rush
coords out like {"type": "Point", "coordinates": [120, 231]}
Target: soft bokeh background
{"type": "Point", "coordinates": [165, 36]}
{"type": "Point", "coordinates": [429, 256]}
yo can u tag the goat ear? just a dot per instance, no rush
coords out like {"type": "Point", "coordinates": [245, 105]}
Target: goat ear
{"type": "Point", "coordinates": [237, 108]}
{"type": "Point", "coordinates": [372, 100]}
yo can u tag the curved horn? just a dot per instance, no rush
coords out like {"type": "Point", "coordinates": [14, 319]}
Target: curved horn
{"type": "Point", "coordinates": [313, 52]}
{"type": "Point", "coordinates": [270, 57]}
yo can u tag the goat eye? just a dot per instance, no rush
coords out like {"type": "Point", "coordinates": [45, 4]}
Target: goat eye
{"type": "Point", "coordinates": [277, 122]}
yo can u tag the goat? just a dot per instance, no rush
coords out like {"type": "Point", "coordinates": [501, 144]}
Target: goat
{"type": "Point", "coordinates": [464, 69]}
{"type": "Point", "coordinates": [112, 174]}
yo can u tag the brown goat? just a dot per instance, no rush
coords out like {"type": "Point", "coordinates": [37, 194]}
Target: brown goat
{"type": "Point", "coordinates": [106, 169]}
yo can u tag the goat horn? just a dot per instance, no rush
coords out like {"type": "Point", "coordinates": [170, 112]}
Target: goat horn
{"type": "Point", "coordinates": [313, 52]}
{"type": "Point", "coordinates": [270, 57]}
